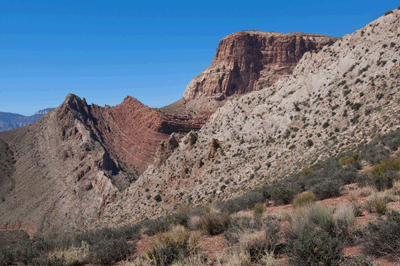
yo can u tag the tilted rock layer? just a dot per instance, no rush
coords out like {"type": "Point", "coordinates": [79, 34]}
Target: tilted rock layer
{"type": "Point", "coordinates": [59, 173]}
{"type": "Point", "coordinates": [251, 60]}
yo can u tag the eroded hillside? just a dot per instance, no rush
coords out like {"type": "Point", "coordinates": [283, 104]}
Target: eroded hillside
{"type": "Point", "coordinates": [342, 96]}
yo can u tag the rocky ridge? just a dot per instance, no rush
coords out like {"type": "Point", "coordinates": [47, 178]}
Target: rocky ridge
{"type": "Point", "coordinates": [343, 95]}
{"type": "Point", "coordinates": [73, 162]}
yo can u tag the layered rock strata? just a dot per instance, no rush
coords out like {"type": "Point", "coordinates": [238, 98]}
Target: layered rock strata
{"type": "Point", "coordinates": [251, 60]}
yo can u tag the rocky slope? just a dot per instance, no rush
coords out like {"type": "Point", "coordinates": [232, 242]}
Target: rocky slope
{"type": "Point", "coordinates": [344, 95]}
{"type": "Point", "coordinates": [9, 121]}
{"type": "Point", "coordinates": [61, 176]}
{"type": "Point", "coordinates": [73, 162]}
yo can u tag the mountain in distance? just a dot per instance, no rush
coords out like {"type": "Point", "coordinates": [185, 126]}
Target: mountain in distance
{"type": "Point", "coordinates": [10, 121]}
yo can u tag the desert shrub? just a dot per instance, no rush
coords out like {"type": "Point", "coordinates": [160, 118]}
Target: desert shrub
{"type": "Point", "coordinates": [385, 166]}
{"type": "Point", "coordinates": [256, 244]}
{"type": "Point", "coordinates": [314, 237]}
{"type": "Point", "coordinates": [174, 245]}
{"type": "Point", "coordinates": [380, 206]}
{"type": "Point", "coordinates": [244, 202]}
{"type": "Point", "coordinates": [356, 106]}
{"type": "Point", "coordinates": [157, 198]}
{"type": "Point", "coordinates": [24, 252]}
{"type": "Point", "coordinates": [383, 237]}
{"type": "Point", "coordinates": [283, 192]}
{"type": "Point", "coordinates": [306, 171]}
{"type": "Point", "coordinates": [388, 12]}
{"type": "Point", "coordinates": [254, 237]}
{"type": "Point", "coordinates": [384, 181]}
{"type": "Point", "coordinates": [392, 140]}
{"type": "Point", "coordinates": [303, 199]}
{"type": "Point", "coordinates": [374, 153]}
{"type": "Point", "coordinates": [327, 189]}
{"type": "Point", "coordinates": [259, 209]}
{"type": "Point", "coordinates": [107, 252]}
{"type": "Point", "coordinates": [346, 160]}
{"type": "Point", "coordinates": [314, 247]}
{"type": "Point", "coordinates": [344, 216]}
{"type": "Point", "coordinates": [215, 223]}
{"type": "Point", "coordinates": [309, 143]}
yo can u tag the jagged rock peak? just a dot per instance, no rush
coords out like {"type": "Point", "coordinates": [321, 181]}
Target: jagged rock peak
{"type": "Point", "coordinates": [74, 102]}
{"type": "Point", "coordinates": [165, 149]}
{"type": "Point", "coordinates": [251, 60]}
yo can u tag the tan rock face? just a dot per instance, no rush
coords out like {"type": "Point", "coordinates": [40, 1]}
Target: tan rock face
{"type": "Point", "coordinates": [251, 60]}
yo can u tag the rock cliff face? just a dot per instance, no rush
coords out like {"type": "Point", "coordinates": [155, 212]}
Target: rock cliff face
{"type": "Point", "coordinates": [251, 60]}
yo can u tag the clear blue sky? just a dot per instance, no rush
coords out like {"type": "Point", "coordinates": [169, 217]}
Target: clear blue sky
{"type": "Point", "coordinates": [106, 50]}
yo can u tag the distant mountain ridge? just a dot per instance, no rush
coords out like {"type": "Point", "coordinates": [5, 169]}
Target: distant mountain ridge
{"type": "Point", "coordinates": [9, 121]}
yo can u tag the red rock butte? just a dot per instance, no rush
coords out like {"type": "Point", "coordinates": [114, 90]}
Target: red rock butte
{"type": "Point", "coordinates": [252, 60]}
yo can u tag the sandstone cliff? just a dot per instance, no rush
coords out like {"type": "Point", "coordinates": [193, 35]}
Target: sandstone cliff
{"type": "Point", "coordinates": [247, 61]}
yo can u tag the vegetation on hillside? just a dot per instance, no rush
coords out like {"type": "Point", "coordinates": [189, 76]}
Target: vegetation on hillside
{"type": "Point", "coordinates": [316, 235]}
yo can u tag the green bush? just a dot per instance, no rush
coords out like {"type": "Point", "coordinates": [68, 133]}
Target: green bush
{"type": "Point", "coordinates": [383, 237]}
{"type": "Point", "coordinates": [303, 199]}
{"type": "Point", "coordinates": [385, 166]}
{"type": "Point", "coordinates": [384, 181]}
{"type": "Point", "coordinates": [306, 171]}
{"type": "Point", "coordinates": [346, 160]}
{"type": "Point", "coordinates": [259, 209]}
{"type": "Point", "coordinates": [380, 206]}
{"type": "Point", "coordinates": [309, 143]}
{"type": "Point", "coordinates": [314, 247]}
{"type": "Point", "coordinates": [157, 198]}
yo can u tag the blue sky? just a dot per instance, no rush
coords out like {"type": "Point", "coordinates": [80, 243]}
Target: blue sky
{"type": "Point", "coordinates": [106, 50]}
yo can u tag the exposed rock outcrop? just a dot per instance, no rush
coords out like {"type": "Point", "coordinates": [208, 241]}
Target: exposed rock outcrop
{"type": "Point", "coordinates": [251, 60]}
{"type": "Point", "coordinates": [165, 149]}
